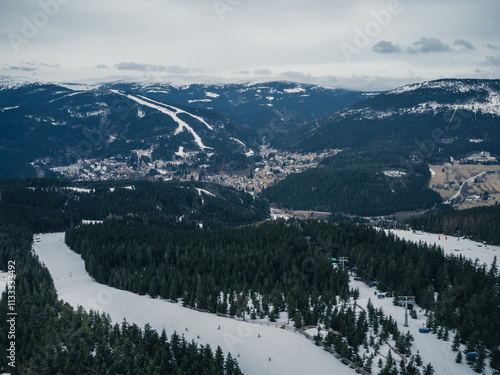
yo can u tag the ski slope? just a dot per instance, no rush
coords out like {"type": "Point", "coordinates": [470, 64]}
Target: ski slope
{"type": "Point", "coordinates": [172, 112]}
{"type": "Point", "coordinates": [452, 245]}
{"type": "Point", "coordinates": [291, 353]}
{"type": "Point", "coordinates": [434, 351]}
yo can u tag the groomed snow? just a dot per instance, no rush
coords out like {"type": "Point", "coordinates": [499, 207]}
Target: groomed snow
{"type": "Point", "coordinates": [434, 351]}
{"type": "Point", "coordinates": [79, 190]}
{"type": "Point", "coordinates": [248, 153]}
{"type": "Point", "coordinates": [204, 191]}
{"type": "Point", "coordinates": [8, 108]}
{"type": "Point", "coordinates": [453, 245]}
{"type": "Point", "coordinates": [66, 96]}
{"type": "Point", "coordinates": [173, 114]}
{"type": "Point", "coordinates": [178, 110]}
{"type": "Point", "coordinates": [290, 352]}
{"type": "Point", "coordinates": [238, 141]}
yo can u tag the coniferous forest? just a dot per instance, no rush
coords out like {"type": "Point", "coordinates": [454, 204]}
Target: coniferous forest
{"type": "Point", "coordinates": [54, 338]}
{"type": "Point", "coordinates": [467, 292]}
{"type": "Point", "coordinates": [355, 183]}
{"type": "Point", "coordinates": [481, 223]}
{"type": "Point", "coordinates": [237, 265]}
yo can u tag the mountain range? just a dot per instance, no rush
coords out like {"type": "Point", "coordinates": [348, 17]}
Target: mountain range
{"type": "Point", "coordinates": [387, 143]}
{"type": "Point", "coordinates": [386, 138]}
{"type": "Point", "coordinates": [48, 125]}
{"type": "Point", "coordinates": [430, 120]}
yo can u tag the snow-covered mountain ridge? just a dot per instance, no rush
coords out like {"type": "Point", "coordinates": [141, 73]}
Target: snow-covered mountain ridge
{"type": "Point", "coordinates": [458, 109]}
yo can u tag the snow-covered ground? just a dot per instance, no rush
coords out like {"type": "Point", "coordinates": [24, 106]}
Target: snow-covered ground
{"type": "Point", "coordinates": [79, 190]}
{"type": "Point", "coordinates": [204, 191]}
{"type": "Point", "coordinates": [453, 245]}
{"type": "Point", "coordinates": [172, 112]}
{"type": "Point", "coordinates": [434, 351]}
{"type": "Point", "coordinates": [85, 222]}
{"type": "Point", "coordinates": [290, 352]}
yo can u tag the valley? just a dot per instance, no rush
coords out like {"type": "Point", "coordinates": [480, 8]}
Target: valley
{"type": "Point", "coordinates": [272, 165]}
{"type": "Point", "coordinates": [234, 187]}
{"type": "Point", "coordinates": [255, 219]}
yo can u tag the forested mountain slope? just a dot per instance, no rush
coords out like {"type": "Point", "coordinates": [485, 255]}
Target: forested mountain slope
{"type": "Point", "coordinates": [387, 142]}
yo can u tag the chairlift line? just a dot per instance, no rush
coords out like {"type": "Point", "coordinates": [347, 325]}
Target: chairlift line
{"type": "Point", "coordinates": [407, 299]}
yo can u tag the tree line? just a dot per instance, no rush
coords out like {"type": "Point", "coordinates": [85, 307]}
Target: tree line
{"type": "Point", "coordinates": [356, 184]}
{"type": "Point", "coordinates": [480, 223]}
{"type": "Point", "coordinates": [220, 270]}
{"type": "Point", "coordinates": [462, 295]}
{"type": "Point", "coordinates": [53, 338]}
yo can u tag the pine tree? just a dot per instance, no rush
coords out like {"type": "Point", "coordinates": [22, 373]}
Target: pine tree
{"type": "Point", "coordinates": [479, 365]}
{"type": "Point", "coordinates": [458, 358]}
{"type": "Point", "coordinates": [456, 342]}
{"type": "Point", "coordinates": [428, 370]}
{"type": "Point", "coordinates": [418, 359]}
{"type": "Point", "coordinates": [440, 333]}
{"type": "Point", "coordinates": [298, 320]}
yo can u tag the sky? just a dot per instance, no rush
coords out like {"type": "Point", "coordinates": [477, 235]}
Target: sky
{"type": "Point", "coordinates": [354, 44]}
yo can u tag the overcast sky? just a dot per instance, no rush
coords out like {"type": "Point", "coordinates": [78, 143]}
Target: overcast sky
{"type": "Point", "coordinates": [357, 44]}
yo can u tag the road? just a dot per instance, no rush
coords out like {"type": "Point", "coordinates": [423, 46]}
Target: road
{"type": "Point", "coordinates": [459, 192]}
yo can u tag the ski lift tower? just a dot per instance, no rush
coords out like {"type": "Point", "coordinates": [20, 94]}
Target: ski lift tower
{"type": "Point", "coordinates": [407, 299]}
{"type": "Point", "coordinates": [343, 260]}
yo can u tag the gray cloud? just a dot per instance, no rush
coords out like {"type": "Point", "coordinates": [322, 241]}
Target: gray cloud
{"type": "Point", "coordinates": [140, 67]}
{"type": "Point", "coordinates": [22, 68]}
{"type": "Point", "coordinates": [250, 39]}
{"type": "Point", "coordinates": [29, 63]}
{"type": "Point", "coordinates": [31, 66]}
{"type": "Point", "coordinates": [464, 43]}
{"type": "Point", "coordinates": [177, 69]}
{"type": "Point", "coordinates": [264, 72]}
{"type": "Point", "coordinates": [429, 45]}
{"type": "Point", "coordinates": [423, 45]}
{"type": "Point", "coordinates": [174, 69]}
{"type": "Point", "coordinates": [52, 66]}
{"type": "Point", "coordinates": [492, 61]}
{"type": "Point", "coordinates": [297, 76]}
{"type": "Point", "coordinates": [386, 47]}
{"type": "Point", "coordinates": [493, 47]}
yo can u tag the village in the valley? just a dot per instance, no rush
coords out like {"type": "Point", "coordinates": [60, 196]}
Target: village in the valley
{"type": "Point", "coordinates": [272, 165]}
